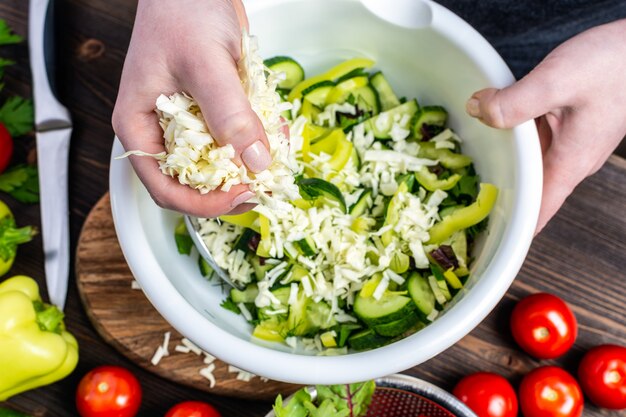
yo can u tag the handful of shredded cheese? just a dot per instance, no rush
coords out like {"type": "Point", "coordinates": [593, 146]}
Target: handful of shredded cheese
{"type": "Point", "coordinates": [194, 157]}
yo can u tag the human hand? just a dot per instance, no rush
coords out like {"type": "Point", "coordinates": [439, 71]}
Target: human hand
{"type": "Point", "coordinates": [577, 95]}
{"type": "Point", "coordinates": [190, 46]}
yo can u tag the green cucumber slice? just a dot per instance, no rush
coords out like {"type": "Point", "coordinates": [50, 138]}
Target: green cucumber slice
{"type": "Point", "coordinates": [367, 339]}
{"type": "Point", "coordinates": [293, 71]}
{"type": "Point", "coordinates": [429, 121]}
{"type": "Point", "coordinates": [248, 295]}
{"type": "Point", "coordinates": [386, 96]}
{"type": "Point", "coordinates": [260, 269]}
{"type": "Point", "coordinates": [396, 328]}
{"type": "Point", "coordinates": [318, 92]}
{"type": "Point", "coordinates": [380, 125]}
{"type": "Point", "coordinates": [363, 204]}
{"type": "Point", "coordinates": [421, 293]}
{"type": "Point", "coordinates": [390, 307]}
{"type": "Point", "coordinates": [307, 246]}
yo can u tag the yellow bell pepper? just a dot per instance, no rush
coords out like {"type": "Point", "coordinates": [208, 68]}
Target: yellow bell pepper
{"type": "Point", "coordinates": [35, 348]}
{"type": "Point", "coordinates": [330, 75]}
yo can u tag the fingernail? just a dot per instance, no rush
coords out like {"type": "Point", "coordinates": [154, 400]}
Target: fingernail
{"type": "Point", "coordinates": [473, 107]}
{"type": "Point", "coordinates": [241, 198]}
{"type": "Point", "coordinates": [256, 157]}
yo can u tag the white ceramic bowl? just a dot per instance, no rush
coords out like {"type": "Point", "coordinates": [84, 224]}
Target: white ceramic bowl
{"type": "Point", "coordinates": [426, 52]}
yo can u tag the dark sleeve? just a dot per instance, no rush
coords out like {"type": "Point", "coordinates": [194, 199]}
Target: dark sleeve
{"type": "Point", "coordinates": [525, 31]}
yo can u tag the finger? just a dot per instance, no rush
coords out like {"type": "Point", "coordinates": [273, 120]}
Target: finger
{"type": "Point", "coordinates": [542, 90]}
{"type": "Point", "coordinates": [242, 208]}
{"type": "Point", "coordinates": [242, 17]}
{"type": "Point", "coordinates": [216, 86]}
{"type": "Point", "coordinates": [146, 135]}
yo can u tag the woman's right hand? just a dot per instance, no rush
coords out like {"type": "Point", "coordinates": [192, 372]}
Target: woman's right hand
{"type": "Point", "coordinates": [191, 46]}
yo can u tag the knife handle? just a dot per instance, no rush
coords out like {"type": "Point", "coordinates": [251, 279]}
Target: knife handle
{"type": "Point", "coordinates": [49, 112]}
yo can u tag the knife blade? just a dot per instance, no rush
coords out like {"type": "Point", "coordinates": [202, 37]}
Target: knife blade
{"type": "Point", "coordinates": [53, 127]}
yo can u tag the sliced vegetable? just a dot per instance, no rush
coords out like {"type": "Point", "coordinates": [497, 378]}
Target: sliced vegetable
{"type": "Point", "coordinates": [294, 73]}
{"type": "Point", "coordinates": [381, 124]}
{"type": "Point", "coordinates": [318, 190]}
{"type": "Point", "coordinates": [466, 216]}
{"type": "Point", "coordinates": [182, 238]}
{"type": "Point", "coordinates": [429, 121]}
{"type": "Point", "coordinates": [387, 97]}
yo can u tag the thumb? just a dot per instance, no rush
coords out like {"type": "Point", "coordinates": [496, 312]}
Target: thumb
{"type": "Point", "coordinates": [216, 86]}
{"type": "Point", "coordinates": [534, 95]}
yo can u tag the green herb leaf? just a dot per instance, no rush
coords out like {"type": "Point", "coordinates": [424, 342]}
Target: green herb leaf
{"type": "Point", "coordinates": [230, 305]}
{"type": "Point", "coordinates": [295, 407]}
{"type": "Point", "coordinates": [353, 397]}
{"type": "Point", "coordinates": [6, 34]}
{"type": "Point", "coordinates": [22, 183]}
{"type": "Point", "coordinates": [17, 115]}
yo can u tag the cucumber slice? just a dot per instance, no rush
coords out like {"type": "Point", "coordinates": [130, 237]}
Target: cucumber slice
{"type": "Point", "coordinates": [307, 246]}
{"type": "Point", "coordinates": [420, 292]}
{"type": "Point", "coordinates": [341, 91]}
{"type": "Point", "coordinates": [390, 307]}
{"type": "Point", "coordinates": [248, 295]}
{"type": "Point", "coordinates": [260, 269]}
{"type": "Point", "coordinates": [429, 121]}
{"type": "Point", "coordinates": [367, 99]}
{"type": "Point", "coordinates": [315, 189]}
{"type": "Point", "coordinates": [363, 204]}
{"type": "Point", "coordinates": [381, 124]}
{"type": "Point", "coordinates": [396, 328]}
{"type": "Point", "coordinates": [386, 96]}
{"type": "Point", "coordinates": [293, 71]}
{"type": "Point", "coordinates": [319, 92]}
{"type": "Point", "coordinates": [205, 268]}
{"type": "Point", "coordinates": [367, 339]}
{"type": "Point", "coordinates": [307, 317]}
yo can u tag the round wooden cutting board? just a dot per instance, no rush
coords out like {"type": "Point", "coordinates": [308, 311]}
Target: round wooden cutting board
{"type": "Point", "coordinates": [124, 317]}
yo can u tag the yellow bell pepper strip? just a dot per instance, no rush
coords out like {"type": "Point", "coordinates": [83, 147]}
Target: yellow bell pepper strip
{"type": "Point", "coordinates": [446, 157]}
{"type": "Point", "coordinates": [11, 237]}
{"type": "Point", "coordinates": [341, 91]}
{"type": "Point", "coordinates": [430, 181]}
{"type": "Point", "coordinates": [405, 184]}
{"type": "Point", "coordinates": [247, 219]}
{"type": "Point", "coordinates": [330, 75]}
{"type": "Point", "coordinates": [337, 145]}
{"type": "Point", "coordinates": [466, 216]}
{"type": "Point", "coordinates": [35, 348]}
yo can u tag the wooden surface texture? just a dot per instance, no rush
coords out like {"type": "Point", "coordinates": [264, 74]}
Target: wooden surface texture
{"type": "Point", "coordinates": [580, 256]}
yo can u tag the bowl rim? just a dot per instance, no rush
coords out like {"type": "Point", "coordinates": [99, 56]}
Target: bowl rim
{"type": "Point", "coordinates": [458, 321]}
{"type": "Point", "coordinates": [424, 389]}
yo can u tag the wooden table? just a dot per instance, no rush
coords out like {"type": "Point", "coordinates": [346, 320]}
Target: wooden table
{"type": "Point", "coordinates": [581, 256]}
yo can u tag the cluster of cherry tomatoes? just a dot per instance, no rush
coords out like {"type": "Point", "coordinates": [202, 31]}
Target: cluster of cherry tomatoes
{"type": "Point", "coordinates": [112, 391]}
{"type": "Point", "coordinates": [545, 327]}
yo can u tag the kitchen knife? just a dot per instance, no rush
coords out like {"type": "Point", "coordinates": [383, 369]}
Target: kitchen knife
{"type": "Point", "coordinates": [53, 127]}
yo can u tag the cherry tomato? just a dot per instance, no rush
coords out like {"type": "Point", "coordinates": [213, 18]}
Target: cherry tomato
{"type": "Point", "coordinates": [487, 394]}
{"type": "Point", "coordinates": [544, 326]}
{"type": "Point", "coordinates": [192, 409]}
{"type": "Point", "coordinates": [108, 391]}
{"type": "Point", "coordinates": [549, 391]}
{"type": "Point", "coordinates": [602, 376]}
{"type": "Point", "coordinates": [6, 147]}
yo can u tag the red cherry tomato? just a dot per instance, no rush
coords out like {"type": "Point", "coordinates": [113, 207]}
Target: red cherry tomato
{"type": "Point", "coordinates": [549, 391]}
{"type": "Point", "coordinates": [6, 147]}
{"type": "Point", "coordinates": [108, 391]}
{"type": "Point", "coordinates": [602, 376]}
{"type": "Point", "coordinates": [544, 326]}
{"type": "Point", "coordinates": [487, 394]}
{"type": "Point", "coordinates": [192, 409]}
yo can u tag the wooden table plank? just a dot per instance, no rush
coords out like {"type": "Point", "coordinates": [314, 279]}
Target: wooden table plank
{"type": "Point", "coordinates": [591, 228]}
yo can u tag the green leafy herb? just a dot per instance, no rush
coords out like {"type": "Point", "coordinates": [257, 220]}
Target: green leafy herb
{"type": "Point", "coordinates": [6, 34]}
{"type": "Point", "coordinates": [230, 305]}
{"type": "Point", "coordinates": [22, 183]}
{"type": "Point", "coordinates": [205, 268]}
{"type": "Point", "coordinates": [344, 400]}
{"type": "Point", "coordinates": [17, 115]}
